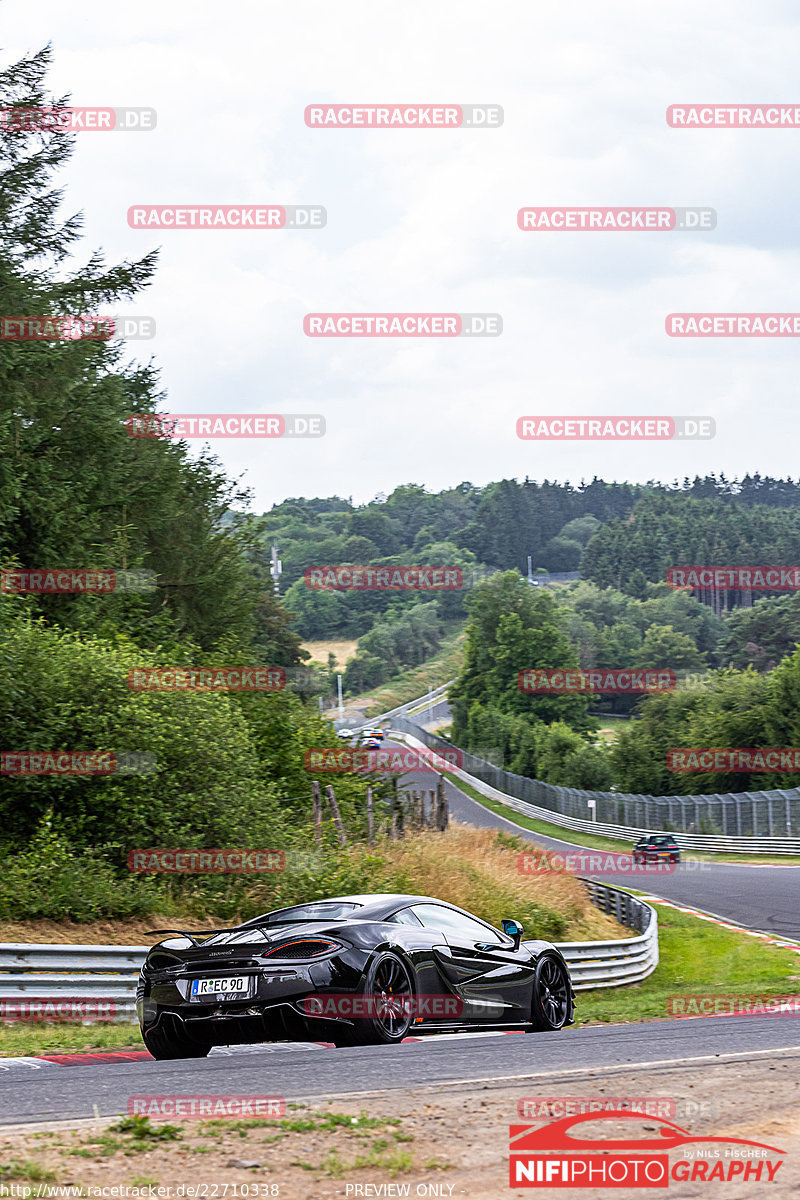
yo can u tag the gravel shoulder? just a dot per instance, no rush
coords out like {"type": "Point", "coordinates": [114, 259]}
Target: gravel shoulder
{"type": "Point", "coordinates": [449, 1141]}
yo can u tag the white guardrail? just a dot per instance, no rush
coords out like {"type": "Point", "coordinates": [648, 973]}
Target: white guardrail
{"type": "Point", "coordinates": [57, 981]}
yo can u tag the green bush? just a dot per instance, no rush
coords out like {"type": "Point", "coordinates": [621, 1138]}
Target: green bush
{"type": "Point", "coordinates": [64, 692]}
{"type": "Point", "coordinates": [52, 881]}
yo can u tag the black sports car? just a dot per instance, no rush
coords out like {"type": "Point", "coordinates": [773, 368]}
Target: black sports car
{"type": "Point", "coordinates": [350, 970]}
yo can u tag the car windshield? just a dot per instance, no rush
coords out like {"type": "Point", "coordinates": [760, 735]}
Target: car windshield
{"type": "Point", "coordinates": [323, 911]}
{"type": "Point", "coordinates": [244, 936]}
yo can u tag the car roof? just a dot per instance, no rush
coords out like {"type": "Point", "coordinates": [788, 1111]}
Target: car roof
{"type": "Point", "coordinates": [383, 899]}
{"type": "Point", "coordinates": [374, 904]}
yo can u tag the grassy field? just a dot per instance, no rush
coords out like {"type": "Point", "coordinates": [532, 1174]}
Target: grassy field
{"type": "Point", "coordinates": [610, 727]}
{"type": "Point", "coordinates": [341, 650]}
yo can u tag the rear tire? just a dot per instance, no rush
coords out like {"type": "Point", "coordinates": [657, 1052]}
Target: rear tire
{"type": "Point", "coordinates": [170, 1041]}
{"type": "Point", "coordinates": [550, 1000]}
{"type": "Point", "coordinates": [390, 984]}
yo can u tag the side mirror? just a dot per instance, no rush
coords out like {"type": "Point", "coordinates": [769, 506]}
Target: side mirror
{"type": "Point", "coordinates": [514, 930]}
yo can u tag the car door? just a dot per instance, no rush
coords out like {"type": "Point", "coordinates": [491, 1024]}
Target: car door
{"type": "Point", "coordinates": [481, 965]}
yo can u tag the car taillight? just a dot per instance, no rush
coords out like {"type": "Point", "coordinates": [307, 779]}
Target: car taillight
{"type": "Point", "coordinates": [307, 948]}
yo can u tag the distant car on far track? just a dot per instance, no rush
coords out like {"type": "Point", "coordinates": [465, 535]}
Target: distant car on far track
{"type": "Point", "coordinates": [656, 847]}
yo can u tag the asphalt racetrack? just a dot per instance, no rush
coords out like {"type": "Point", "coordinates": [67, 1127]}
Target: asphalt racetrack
{"type": "Point", "coordinates": [32, 1091]}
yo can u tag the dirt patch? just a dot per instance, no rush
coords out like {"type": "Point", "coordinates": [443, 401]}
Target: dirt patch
{"type": "Point", "coordinates": [444, 1141]}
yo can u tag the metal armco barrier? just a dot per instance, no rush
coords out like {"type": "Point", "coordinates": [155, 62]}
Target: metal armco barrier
{"type": "Point", "coordinates": [747, 822]}
{"type": "Point", "coordinates": [109, 973]}
{"type": "Point", "coordinates": [60, 972]}
{"type": "Point", "coordinates": [612, 964]}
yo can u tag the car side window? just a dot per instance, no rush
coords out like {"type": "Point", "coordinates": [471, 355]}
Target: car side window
{"type": "Point", "coordinates": [450, 923]}
{"type": "Point", "coordinates": [404, 917]}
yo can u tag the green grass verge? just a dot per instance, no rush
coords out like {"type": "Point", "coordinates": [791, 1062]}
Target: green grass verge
{"type": "Point", "coordinates": [694, 956]}
{"type": "Point", "coordinates": [594, 841]}
{"type": "Point", "coordinates": [20, 1039]}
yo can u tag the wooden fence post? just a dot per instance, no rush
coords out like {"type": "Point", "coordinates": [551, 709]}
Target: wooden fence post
{"type": "Point", "coordinates": [442, 815]}
{"type": "Point", "coordinates": [337, 816]}
{"type": "Point", "coordinates": [317, 813]}
{"type": "Point", "coordinates": [370, 826]}
{"type": "Point", "coordinates": [398, 824]}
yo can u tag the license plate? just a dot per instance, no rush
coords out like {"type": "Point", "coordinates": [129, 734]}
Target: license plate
{"type": "Point", "coordinates": [216, 987]}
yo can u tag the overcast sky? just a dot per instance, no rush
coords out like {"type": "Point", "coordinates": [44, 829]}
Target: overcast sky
{"type": "Point", "coordinates": [425, 221]}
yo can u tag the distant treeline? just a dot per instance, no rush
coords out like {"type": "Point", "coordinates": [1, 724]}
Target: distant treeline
{"type": "Point", "coordinates": [619, 535]}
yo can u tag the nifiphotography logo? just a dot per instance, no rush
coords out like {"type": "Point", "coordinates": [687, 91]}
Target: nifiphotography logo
{"type": "Point", "coordinates": [559, 1154]}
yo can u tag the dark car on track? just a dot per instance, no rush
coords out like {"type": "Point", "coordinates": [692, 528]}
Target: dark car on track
{"type": "Point", "coordinates": [350, 970]}
{"type": "Point", "coordinates": [657, 847]}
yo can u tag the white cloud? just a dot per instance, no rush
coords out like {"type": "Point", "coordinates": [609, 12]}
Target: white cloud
{"type": "Point", "coordinates": [426, 221]}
